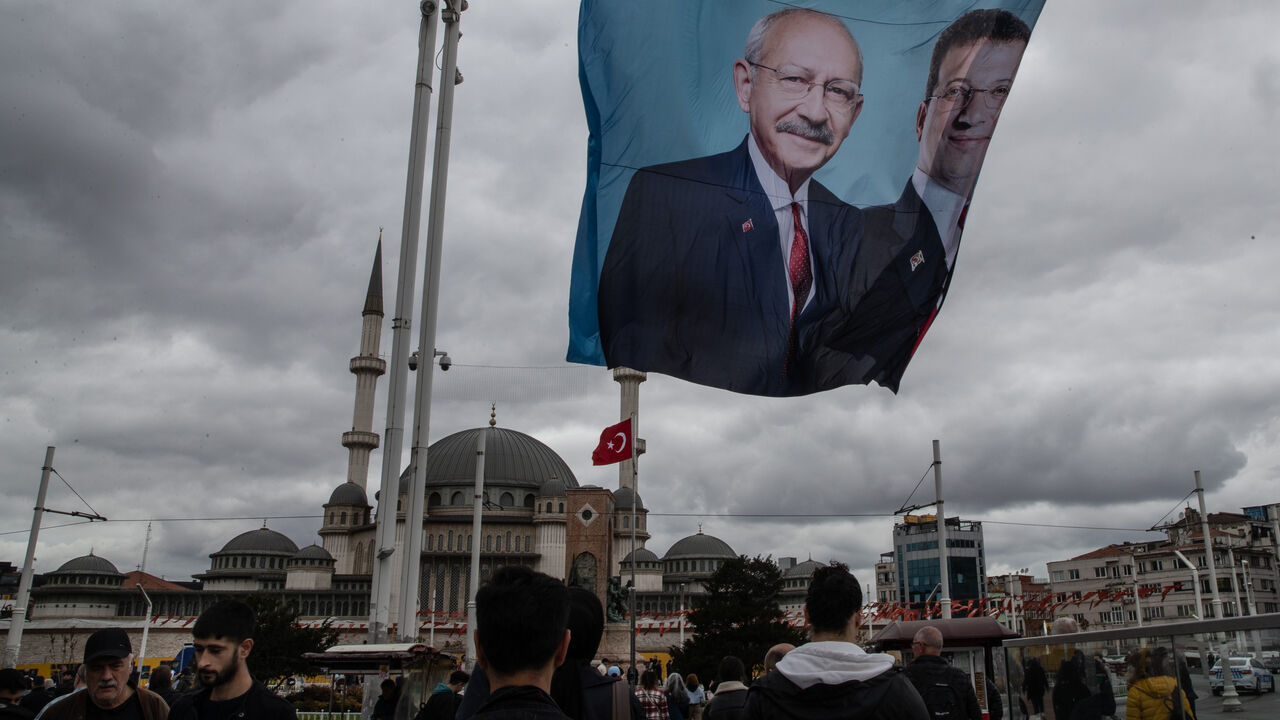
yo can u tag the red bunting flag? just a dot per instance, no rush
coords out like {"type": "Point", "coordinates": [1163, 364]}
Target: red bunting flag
{"type": "Point", "coordinates": [615, 444]}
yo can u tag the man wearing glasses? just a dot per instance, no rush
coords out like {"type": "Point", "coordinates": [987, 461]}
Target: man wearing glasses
{"type": "Point", "coordinates": [903, 265]}
{"type": "Point", "coordinates": [719, 265]}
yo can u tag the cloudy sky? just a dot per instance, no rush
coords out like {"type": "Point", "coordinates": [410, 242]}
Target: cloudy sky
{"type": "Point", "coordinates": [190, 196]}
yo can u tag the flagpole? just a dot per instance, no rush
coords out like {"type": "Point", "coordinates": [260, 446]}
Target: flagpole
{"type": "Point", "coordinates": [635, 500]}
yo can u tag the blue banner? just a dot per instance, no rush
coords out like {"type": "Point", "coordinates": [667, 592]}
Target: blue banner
{"type": "Point", "coordinates": [775, 195]}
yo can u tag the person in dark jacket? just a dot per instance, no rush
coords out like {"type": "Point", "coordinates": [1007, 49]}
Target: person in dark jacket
{"type": "Point", "coordinates": [730, 699]}
{"type": "Point", "coordinates": [1070, 687]}
{"type": "Point", "coordinates": [38, 697]}
{"type": "Point", "coordinates": [12, 686]}
{"type": "Point", "coordinates": [830, 677]}
{"type": "Point", "coordinates": [445, 700]}
{"type": "Point", "coordinates": [1035, 684]}
{"type": "Point", "coordinates": [946, 690]}
{"type": "Point", "coordinates": [161, 683]}
{"type": "Point", "coordinates": [385, 706]}
{"type": "Point", "coordinates": [223, 639]}
{"type": "Point", "coordinates": [522, 636]}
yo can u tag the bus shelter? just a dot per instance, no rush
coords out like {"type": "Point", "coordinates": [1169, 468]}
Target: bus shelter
{"type": "Point", "coordinates": [416, 668]}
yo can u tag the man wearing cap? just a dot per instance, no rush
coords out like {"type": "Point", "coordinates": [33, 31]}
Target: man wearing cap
{"type": "Point", "coordinates": [108, 660]}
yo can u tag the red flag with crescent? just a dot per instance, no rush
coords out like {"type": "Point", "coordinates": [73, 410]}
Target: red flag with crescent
{"type": "Point", "coordinates": [615, 444]}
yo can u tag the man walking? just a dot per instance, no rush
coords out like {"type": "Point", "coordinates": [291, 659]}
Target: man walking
{"type": "Point", "coordinates": [830, 676]}
{"type": "Point", "coordinates": [947, 690]}
{"type": "Point", "coordinates": [223, 640]}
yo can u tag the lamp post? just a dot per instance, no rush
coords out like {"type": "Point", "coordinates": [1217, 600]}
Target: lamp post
{"type": "Point", "coordinates": [146, 628]}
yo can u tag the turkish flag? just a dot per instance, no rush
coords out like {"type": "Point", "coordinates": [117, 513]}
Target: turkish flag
{"type": "Point", "coordinates": [615, 444]}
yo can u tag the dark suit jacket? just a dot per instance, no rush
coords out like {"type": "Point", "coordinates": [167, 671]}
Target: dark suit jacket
{"type": "Point", "coordinates": [897, 279]}
{"type": "Point", "coordinates": [694, 283]}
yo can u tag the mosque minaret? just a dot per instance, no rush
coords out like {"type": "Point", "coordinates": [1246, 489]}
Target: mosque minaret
{"type": "Point", "coordinates": [367, 367]}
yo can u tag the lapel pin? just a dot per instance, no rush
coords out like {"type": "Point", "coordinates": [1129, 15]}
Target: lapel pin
{"type": "Point", "coordinates": [916, 260]}
{"type": "Point", "coordinates": [746, 226]}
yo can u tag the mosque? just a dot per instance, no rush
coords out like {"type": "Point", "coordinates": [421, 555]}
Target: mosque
{"type": "Point", "coordinates": [535, 514]}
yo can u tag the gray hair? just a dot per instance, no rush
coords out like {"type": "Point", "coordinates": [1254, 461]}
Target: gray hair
{"type": "Point", "coordinates": [754, 50]}
{"type": "Point", "coordinates": [675, 688]}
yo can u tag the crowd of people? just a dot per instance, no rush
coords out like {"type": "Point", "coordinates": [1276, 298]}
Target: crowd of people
{"type": "Point", "coordinates": [536, 644]}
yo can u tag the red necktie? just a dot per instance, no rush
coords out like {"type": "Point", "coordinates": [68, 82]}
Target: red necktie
{"type": "Point", "coordinates": [801, 276]}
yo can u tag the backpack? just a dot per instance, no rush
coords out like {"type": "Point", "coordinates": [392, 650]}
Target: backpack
{"type": "Point", "coordinates": [1173, 701]}
{"type": "Point", "coordinates": [941, 699]}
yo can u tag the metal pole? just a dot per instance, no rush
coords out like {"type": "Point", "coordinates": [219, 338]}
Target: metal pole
{"type": "Point", "coordinates": [14, 642]}
{"type": "Point", "coordinates": [945, 598]}
{"type": "Point", "coordinates": [383, 564]}
{"type": "Point", "coordinates": [1137, 605]}
{"type": "Point", "coordinates": [477, 509]}
{"type": "Point", "coordinates": [1195, 583]}
{"type": "Point", "coordinates": [1208, 550]}
{"type": "Point", "coordinates": [635, 500]}
{"type": "Point", "coordinates": [411, 568]}
{"type": "Point", "coordinates": [146, 628]}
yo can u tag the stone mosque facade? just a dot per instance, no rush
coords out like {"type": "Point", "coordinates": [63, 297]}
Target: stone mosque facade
{"type": "Point", "coordinates": [535, 514]}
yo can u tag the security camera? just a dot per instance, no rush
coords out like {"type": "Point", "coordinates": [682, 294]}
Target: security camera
{"type": "Point", "coordinates": [445, 363]}
{"type": "Point", "coordinates": [413, 362]}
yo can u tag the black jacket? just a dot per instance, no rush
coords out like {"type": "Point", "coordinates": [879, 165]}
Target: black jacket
{"type": "Point", "coordinates": [258, 703]}
{"type": "Point", "coordinates": [888, 696]}
{"type": "Point", "coordinates": [929, 670]}
{"type": "Point", "coordinates": [522, 702]}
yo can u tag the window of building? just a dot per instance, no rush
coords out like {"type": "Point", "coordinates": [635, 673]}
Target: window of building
{"type": "Point", "coordinates": [342, 518]}
{"type": "Point", "coordinates": [1073, 574]}
{"type": "Point", "coordinates": [1057, 576]}
{"type": "Point", "coordinates": [457, 498]}
{"type": "Point", "coordinates": [488, 543]}
{"type": "Point", "coordinates": [450, 545]}
{"type": "Point", "coordinates": [506, 500]}
{"type": "Point", "coordinates": [1100, 572]}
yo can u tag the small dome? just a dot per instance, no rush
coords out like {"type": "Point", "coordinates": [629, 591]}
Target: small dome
{"type": "Point", "coordinates": [805, 569]}
{"type": "Point", "coordinates": [88, 564]}
{"type": "Point", "coordinates": [349, 493]}
{"type": "Point", "coordinates": [312, 552]}
{"type": "Point", "coordinates": [624, 497]}
{"type": "Point", "coordinates": [642, 555]}
{"type": "Point", "coordinates": [262, 540]}
{"type": "Point", "coordinates": [700, 546]}
{"type": "Point", "coordinates": [553, 487]}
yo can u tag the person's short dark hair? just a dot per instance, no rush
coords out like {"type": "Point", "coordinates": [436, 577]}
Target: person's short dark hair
{"type": "Point", "coordinates": [731, 668]}
{"type": "Point", "coordinates": [459, 677]}
{"type": "Point", "coordinates": [833, 598]}
{"type": "Point", "coordinates": [521, 616]}
{"type": "Point", "coordinates": [12, 680]}
{"type": "Point", "coordinates": [586, 623]}
{"type": "Point", "coordinates": [993, 25]}
{"type": "Point", "coordinates": [161, 677]}
{"type": "Point", "coordinates": [388, 683]}
{"type": "Point", "coordinates": [230, 619]}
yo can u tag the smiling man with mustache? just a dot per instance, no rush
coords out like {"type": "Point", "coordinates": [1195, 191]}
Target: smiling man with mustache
{"type": "Point", "coordinates": [718, 265]}
{"type": "Point", "coordinates": [108, 660]}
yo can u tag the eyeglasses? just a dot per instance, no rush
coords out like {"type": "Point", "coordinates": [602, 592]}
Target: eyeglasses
{"type": "Point", "coordinates": [840, 94]}
{"type": "Point", "coordinates": [962, 95]}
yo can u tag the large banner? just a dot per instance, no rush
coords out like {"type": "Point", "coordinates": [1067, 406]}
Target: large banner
{"type": "Point", "coordinates": [775, 195]}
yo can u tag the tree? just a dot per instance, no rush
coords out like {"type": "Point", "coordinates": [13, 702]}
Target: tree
{"type": "Point", "coordinates": [280, 641]}
{"type": "Point", "coordinates": [739, 616]}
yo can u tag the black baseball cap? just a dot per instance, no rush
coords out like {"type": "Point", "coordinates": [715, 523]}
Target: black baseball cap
{"type": "Point", "coordinates": [108, 642]}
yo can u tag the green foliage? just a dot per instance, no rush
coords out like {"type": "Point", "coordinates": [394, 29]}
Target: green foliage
{"type": "Point", "coordinates": [280, 641]}
{"type": "Point", "coordinates": [738, 616]}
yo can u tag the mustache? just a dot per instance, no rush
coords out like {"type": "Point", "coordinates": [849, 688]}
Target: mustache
{"type": "Point", "coordinates": [810, 131]}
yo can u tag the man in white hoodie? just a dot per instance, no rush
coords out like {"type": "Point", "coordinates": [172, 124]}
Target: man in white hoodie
{"type": "Point", "coordinates": [831, 677]}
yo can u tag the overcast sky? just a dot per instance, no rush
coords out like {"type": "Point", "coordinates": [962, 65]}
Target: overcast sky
{"type": "Point", "coordinates": [190, 197]}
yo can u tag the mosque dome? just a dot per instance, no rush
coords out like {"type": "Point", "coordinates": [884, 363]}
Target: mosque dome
{"type": "Point", "coordinates": [349, 493]}
{"type": "Point", "coordinates": [312, 552]}
{"type": "Point", "coordinates": [553, 487]}
{"type": "Point", "coordinates": [511, 459]}
{"type": "Point", "coordinates": [89, 564]}
{"type": "Point", "coordinates": [804, 570]}
{"type": "Point", "coordinates": [700, 546]}
{"type": "Point", "coordinates": [262, 540]}
{"type": "Point", "coordinates": [624, 497]}
{"type": "Point", "coordinates": [642, 555]}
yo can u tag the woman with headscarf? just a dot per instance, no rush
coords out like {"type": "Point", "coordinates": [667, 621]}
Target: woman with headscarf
{"type": "Point", "coordinates": [1153, 691]}
{"type": "Point", "coordinates": [677, 697]}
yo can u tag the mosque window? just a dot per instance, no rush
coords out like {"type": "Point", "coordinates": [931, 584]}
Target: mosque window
{"type": "Point", "coordinates": [468, 542]}
{"type": "Point", "coordinates": [548, 506]}
{"type": "Point", "coordinates": [330, 517]}
{"type": "Point", "coordinates": [626, 521]}
{"type": "Point", "coordinates": [431, 542]}
{"type": "Point", "coordinates": [456, 499]}
{"type": "Point", "coordinates": [342, 519]}
{"type": "Point", "coordinates": [488, 543]}
{"type": "Point", "coordinates": [507, 500]}
{"type": "Point", "coordinates": [433, 500]}
{"type": "Point", "coordinates": [440, 542]}
{"type": "Point", "coordinates": [450, 539]}
{"type": "Point", "coordinates": [527, 547]}
{"type": "Point", "coordinates": [528, 501]}
{"type": "Point", "coordinates": [508, 541]}
{"type": "Point", "coordinates": [253, 562]}
{"type": "Point", "coordinates": [561, 507]}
